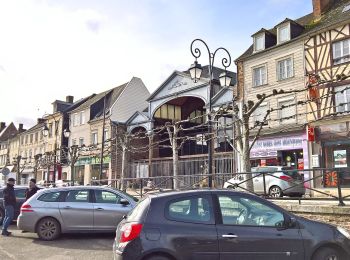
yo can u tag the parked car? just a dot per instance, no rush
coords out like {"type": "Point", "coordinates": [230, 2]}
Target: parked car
{"type": "Point", "coordinates": [20, 197]}
{"type": "Point", "coordinates": [74, 209]}
{"type": "Point", "coordinates": [284, 181]}
{"type": "Point", "coordinates": [223, 224]}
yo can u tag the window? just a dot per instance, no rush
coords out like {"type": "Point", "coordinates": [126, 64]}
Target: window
{"type": "Point", "coordinates": [197, 116]}
{"type": "Point", "coordinates": [168, 111]}
{"type": "Point", "coordinates": [259, 42]}
{"type": "Point", "coordinates": [26, 139]}
{"type": "Point", "coordinates": [260, 113]}
{"type": "Point", "coordinates": [342, 99]}
{"type": "Point", "coordinates": [31, 138]}
{"type": "Point", "coordinates": [248, 212]}
{"type": "Point", "coordinates": [106, 135]}
{"type": "Point", "coordinates": [41, 135]}
{"type": "Point", "coordinates": [287, 110]}
{"type": "Point", "coordinates": [94, 138]}
{"type": "Point", "coordinates": [50, 197]}
{"type": "Point", "coordinates": [259, 76]}
{"type": "Point", "coordinates": [74, 142]}
{"type": "Point", "coordinates": [341, 52]}
{"type": "Point", "coordinates": [285, 69]}
{"type": "Point", "coordinates": [75, 119]}
{"type": "Point", "coordinates": [20, 193]}
{"type": "Point", "coordinates": [50, 130]}
{"type": "Point", "coordinates": [36, 137]}
{"type": "Point", "coordinates": [106, 197]}
{"type": "Point", "coordinates": [192, 209]}
{"type": "Point", "coordinates": [283, 33]}
{"type": "Point", "coordinates": [81, 141]}
{"type": "Point", "coordinates": [78, 196]}
{"type": "Point", "coordinates": [82, 117]}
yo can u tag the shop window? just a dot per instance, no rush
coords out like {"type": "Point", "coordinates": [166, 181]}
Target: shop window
{"type": "Point", "coordinates": [287, 109]}
{"type": "Point", "coordinates": [341, 52]}
{"type": "Point", "coordinates": [342, 99]}
{"type": "Point", "coordinates": [197, 116]}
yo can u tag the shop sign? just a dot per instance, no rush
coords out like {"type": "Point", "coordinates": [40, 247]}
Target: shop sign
{"type": "Point", "coordinates": [315, 160]}
{"type": "Point", "coordinates": [92, 160]}
{"type": "Point", "coordinates": [276, 144]}
{"type": "Point", "coordinates": [300, 164]}
{"type": "Point", "coordinates": [310, 133]}
{"type": "Point", "coordinates": [340, 158]}
{"type": "Point", "coordinates": [258, 154]}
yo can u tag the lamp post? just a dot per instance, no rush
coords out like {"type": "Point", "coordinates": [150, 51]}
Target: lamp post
{"type": "Point", "coordinates": [73, 155]}
{"type": "Point", "coordinates": [225, 81]}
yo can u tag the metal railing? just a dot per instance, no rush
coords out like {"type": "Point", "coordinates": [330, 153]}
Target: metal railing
{"type": "Point", "coordinates": [314, 182]}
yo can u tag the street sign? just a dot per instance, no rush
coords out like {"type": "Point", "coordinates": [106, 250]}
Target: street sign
{"type": "Point", "coordinates": [5, 171]}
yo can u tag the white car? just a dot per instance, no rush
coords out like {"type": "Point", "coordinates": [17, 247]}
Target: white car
{"type": "Point", "coordinates": [279, 181]}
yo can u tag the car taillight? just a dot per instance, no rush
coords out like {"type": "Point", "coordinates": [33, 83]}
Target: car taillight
{"type": "Point", "coordinates": [26, 208]}
{"type": "Point", "coordinates": [286, 178]}
{"type": "Point", "coordinates": [130, 231]}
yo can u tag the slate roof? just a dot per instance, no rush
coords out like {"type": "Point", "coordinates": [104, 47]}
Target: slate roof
{"type": "Point", "coordinates": [332, 17]}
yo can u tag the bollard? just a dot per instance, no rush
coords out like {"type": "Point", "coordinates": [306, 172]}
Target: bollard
{"type": "Point", "coordinates": [340, 197]}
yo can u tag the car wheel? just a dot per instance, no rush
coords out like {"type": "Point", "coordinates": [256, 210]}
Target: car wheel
{"type": "Point", "coordinates": [48, 229]}
{"type": "Point", "coordinates": [158, 257]}
{"type": "Point", "coordinates": [327, 253]}
{"type": "Point", "coordinates": [275, 192]}
{"type": "Point", "coordinates": [2, 215]}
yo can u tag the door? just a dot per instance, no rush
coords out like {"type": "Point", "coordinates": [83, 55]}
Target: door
{"type": "Point", "coordinates": [189, 228]}
{"type": "Point", "coordinates": [108, 211]}
{"type": "Point", "coordinates": [20, 199]}
{"type": "Point", "coordinates": [258, 182]}
{"type": "Point", "coordinates": [77, 210]}
{"type": "Point", "coordinates": [252, 229]}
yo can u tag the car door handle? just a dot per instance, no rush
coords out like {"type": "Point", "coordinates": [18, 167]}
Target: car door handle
{"type": "Point", "coordinates": [229, 236]}
{"type": "Point", "coordinates": [99, 209]}
{"type": "Point", "coordinates": [67, 207]}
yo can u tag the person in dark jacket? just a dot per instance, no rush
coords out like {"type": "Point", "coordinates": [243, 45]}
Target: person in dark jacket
{"type": "Point", "coordinates": [32, 189]}
{"type": "Point", "coordinates": [9, 205]}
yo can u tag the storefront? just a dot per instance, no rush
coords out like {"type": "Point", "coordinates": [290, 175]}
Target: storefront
{"type": "Point", "coordinates": [87, 169]}
{"type": "Point", "coordinates": [282, 150]}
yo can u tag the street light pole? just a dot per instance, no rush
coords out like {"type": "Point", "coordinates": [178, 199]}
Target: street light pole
{"type": "Point", "coordinates": [103, 136]}
{"type": "Point", "coordinates": [225, 80]}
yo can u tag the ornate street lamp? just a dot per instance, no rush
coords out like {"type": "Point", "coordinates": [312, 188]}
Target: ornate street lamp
{"type": "Point", "coordinates": [45, 130]}
{"type": "Point", "coordinates": [225, 81]}
{"type": "Point", "coordinates": [66, 133]}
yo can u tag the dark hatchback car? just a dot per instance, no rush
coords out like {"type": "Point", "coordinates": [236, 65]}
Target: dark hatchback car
{"type": "Point", "coordinates": [225, 225]}
{"type": "Point", "coordinates": [20, 197]}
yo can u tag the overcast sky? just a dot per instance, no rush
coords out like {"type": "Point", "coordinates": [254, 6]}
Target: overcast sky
{"type": "Point", "coordinates": [51, 49]}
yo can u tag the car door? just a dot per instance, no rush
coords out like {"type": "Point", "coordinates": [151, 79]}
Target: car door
{"type": "Point", "coordinates": [20, 199]}
{"type": "Point", "coordinates": [189, 227]}
{"type": "Point", "coordinates": [252, 229]}
{"type": "Point", "coordinates": [108, 211]}
{"type": "Point", "coordinates": [77, 210]}
{"type": "Point", "coordinates": [258, 181]}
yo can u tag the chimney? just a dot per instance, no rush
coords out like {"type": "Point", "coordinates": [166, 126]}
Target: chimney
{"type": "Point", "coordinates": [2, 126]}
{"type": "Point", "coordinates": [69, 99]}
{"type": "Point", "coordinates": [20, 127]}
{"type": "Point", "coordinates": [321, 6]}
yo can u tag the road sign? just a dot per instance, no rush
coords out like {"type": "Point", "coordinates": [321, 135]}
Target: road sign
{"type": "Point", "coordinates": [5, 171]}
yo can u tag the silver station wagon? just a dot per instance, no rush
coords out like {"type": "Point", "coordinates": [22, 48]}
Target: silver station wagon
{"type": "Point", "coordinates": [51, 212]}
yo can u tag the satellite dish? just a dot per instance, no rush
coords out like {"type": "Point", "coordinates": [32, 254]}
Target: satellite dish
{"type": "Point", "coordinates": [5, 171]}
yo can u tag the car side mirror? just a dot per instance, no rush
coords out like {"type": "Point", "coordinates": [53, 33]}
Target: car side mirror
{"type": "Point", "coordinates": [124, 202]}
{"type": "Point", "coordinates": [291, 223]}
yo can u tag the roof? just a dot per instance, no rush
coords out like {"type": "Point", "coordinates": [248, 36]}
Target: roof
{"type": "Point", "coordinates": [35, 127]}
{"type": "Point", "coordinates": [8, 132]}
{"type": "Point", "coordinates": [332, 17]}
{"type": "Point", "coordinates": [115, 92]}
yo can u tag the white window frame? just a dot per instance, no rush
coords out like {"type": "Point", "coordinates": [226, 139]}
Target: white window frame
{"type": "Point", "coordinates": [256, 37]}
{"type": "Point", "coordinates": [106, 135]}
{"type": "Point", "coordinates": [343, 56]}
{"type": "Point", "coordinates": [75, 119]}
{"type": "Point", "coordinates": [285, 67]}
{"type": "Point", "coordinates": [284, 100]}
{"type": "Point", "coordinates": [345, 96]}
{"type": "Point", "coordinates": [94, 138]}
{"type": "Point", "coordinates": [256, 116]}
{"type": "Point", "coordinates": [81, 141]}
{"type": "Point", "coordinates": [279, 28]}
{"type": "Point", "coordinates": [261, 81]}
{"type": "Point", "coordinates": [82, 117]}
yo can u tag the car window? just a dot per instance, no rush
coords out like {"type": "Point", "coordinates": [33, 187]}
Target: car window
{"type": "Point", "coordinates": [103, 196]}
{"type": "Point", "coordinates": [248, 212]}
{"type": "Point", "coordinates": [21, 193]}
{"type": "Point", "coordinates": [191, 209]}
{"type": "Point", "coordinates": [77, 196]}
{"type": "Point", "coordinates": [50, 197]}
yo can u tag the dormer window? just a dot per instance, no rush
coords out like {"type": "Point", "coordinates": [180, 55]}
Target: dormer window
{"type": "Point", "coordinates": [259, 42]}
{"type": "Point", "coordinates": [283, 33]}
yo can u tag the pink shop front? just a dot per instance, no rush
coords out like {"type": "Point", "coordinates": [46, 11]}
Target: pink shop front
{"type": "Point", "coordinates": [282, 150]}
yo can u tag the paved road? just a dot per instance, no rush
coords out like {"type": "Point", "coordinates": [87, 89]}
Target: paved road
{"type": "Point", "coordinates": [69, 247]}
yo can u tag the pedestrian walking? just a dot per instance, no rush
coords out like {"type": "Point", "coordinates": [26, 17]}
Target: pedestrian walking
{"type": "Point", "coordinates": [32, 189]}
{"type": "Point", "coordinates": [9, 205]}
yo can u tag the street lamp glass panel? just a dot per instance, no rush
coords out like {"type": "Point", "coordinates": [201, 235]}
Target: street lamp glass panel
{"type": "Point", "coordinates": [225, 79]}
{"type": "Point", "coordinates": [196, 71]}
{"type": "Point", "coordinates": [66, 133]}
{"type": "Point", "coordinates": [45, 131]}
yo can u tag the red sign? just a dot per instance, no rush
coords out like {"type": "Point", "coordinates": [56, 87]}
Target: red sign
{"type": "Point", "coordinates": [262, 162]}
{"type": "Point", "coordinates": [300, 164]}
{"type": "Point", "coordinates": [310, 133]}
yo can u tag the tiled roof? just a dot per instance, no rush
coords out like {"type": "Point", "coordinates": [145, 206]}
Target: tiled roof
{"type": "Point", "coordinates": [332, 17]}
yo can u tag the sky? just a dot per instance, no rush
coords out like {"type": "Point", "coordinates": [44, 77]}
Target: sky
{"type": "Point", "coordinates": [50, 49]}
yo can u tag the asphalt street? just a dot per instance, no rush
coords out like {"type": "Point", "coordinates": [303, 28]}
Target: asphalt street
{"type": "Point", "coordinates": [27, 246]}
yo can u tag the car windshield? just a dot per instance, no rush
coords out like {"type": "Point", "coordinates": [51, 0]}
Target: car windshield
{"type": "Point", "coordinates": [127, 195]}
